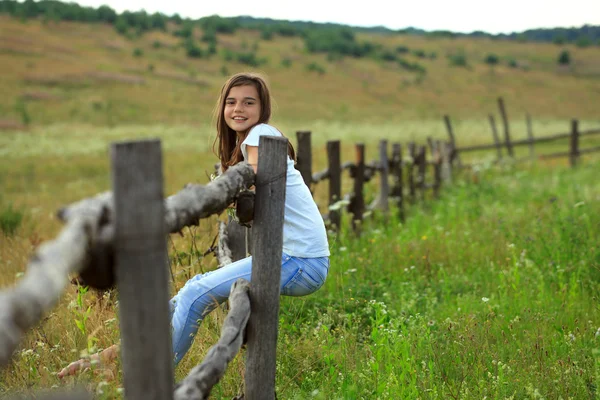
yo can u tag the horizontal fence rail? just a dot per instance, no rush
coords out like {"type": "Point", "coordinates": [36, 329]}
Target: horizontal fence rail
{"type": "Point", "coordinates": [88, 225]}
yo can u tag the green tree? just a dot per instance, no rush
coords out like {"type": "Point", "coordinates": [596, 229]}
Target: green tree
{"type": "Point", "coordinates": [564, 58]}
{"type": "Point", "coordinates": [492, 59]}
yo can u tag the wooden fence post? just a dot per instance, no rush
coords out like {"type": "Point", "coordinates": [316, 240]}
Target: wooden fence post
{"type": "Point", "coordinates": [446, 164]}
{"type": "Point", "coordinates": [335, 181]}
{"type": "Point", "coordinates": [509, 147]}
{"type": "Point", "coordinates": [412, 153]}
{"type": "Point", "coordinates": [530, 137]}
{"type": "Point", "coordinates": [304, 156]}
{"type": "Point", "coordinates": [266, 268]}
{"type": "Point", "coordinates": [384, 191]}
{"type": "Point", "coordinates": [357, 202]}
{"type": "Point", "coordinates": [142, 270]}
{"type": "Point", "coordinates": [397, 188]}
{"type": "Point", "coordinates": [422, 169]}
{"type": "Point", "coordinates": [495, 136]}
{"type": "Point", "coordinates": [574, 151]}
{"type": "Point", "coordinates": [451, 136]}
{"type": "Point", "coordinates": [437, 168]}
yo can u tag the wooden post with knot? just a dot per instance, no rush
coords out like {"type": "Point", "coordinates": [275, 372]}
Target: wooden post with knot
{"type": "Point", "coordinates": [142, 270]}
{"type": "Point", "coordinates": [266, 268]}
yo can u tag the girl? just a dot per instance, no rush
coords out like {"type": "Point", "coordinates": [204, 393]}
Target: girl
{"type": "Point", "coordinates": [243, 112]}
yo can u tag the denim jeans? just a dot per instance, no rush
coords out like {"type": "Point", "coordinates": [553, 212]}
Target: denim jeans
{"type": "Point", "coordinates": [202, 293]}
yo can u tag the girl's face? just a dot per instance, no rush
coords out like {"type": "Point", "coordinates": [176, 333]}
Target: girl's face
{"type": "Point", "coordinates": [242, 108]}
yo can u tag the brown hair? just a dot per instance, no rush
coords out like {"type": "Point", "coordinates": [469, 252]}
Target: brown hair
{"type": "Point", "coordinates": [226, 145]}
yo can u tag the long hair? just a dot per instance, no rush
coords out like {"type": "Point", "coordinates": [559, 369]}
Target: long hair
{"type": "Point", "coordinates": [227, 144]}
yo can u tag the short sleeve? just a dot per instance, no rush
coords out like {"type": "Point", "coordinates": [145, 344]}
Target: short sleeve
{"type": "Point", "coordinates": [254, 136]}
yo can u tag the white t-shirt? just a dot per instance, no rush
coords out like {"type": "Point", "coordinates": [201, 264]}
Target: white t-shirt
{"type": "Point", "coordinates": [304, 233]}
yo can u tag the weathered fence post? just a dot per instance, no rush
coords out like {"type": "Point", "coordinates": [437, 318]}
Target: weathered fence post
{"type": "Point", "coordinates": [304, 156]}
{"type": "Point", "coordinates": [451, 136]}
{"type": "Point", "coordinates": [530, 137]}
{"type": "Point", "coordinates": [357, 201]}
{"type": "Point", "coordinates": [446, 164]}
{"type": "Point", "coordinates": [437, 168]}
{"type": "Point", "coordinates": [384, 191]}
{"type": "Point", "coordinates": [335, 181]}
{"type": "Point", "coordinates": [509, 147]}
{"type": "Point", "coordinates": [574, 151]}
{"type": "Point", "coordinates": [142, 270]}
{"type": "Point", "coordinates": [266, 268]}
{"type": "Point", "coordinates": [422, 169]}
{"type": "Point", "coordinates": [411, 171]}
{"type": "Point", "coordinates": [397, 187]}
{"type": "Point", "coordinates": [495, 136]}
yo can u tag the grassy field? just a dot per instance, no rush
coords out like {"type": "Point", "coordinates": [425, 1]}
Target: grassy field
{"type": "Point", "coordinates": [490, 291]}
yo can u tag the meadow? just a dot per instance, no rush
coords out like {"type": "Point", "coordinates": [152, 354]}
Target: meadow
{"type": "Point", "coordinates": [489, 292]}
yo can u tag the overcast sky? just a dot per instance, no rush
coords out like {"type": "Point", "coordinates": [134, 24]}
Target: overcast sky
{"type": "Point", "coordinates": [503, 16]}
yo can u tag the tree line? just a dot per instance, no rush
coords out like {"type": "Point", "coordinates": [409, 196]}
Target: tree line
{"type": "Point", "coordinates": [140, 21]}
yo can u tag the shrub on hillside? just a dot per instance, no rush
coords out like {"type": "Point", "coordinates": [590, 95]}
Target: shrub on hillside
{"type": "Point", "coordinates": [209, 36]}
{"type": "Point", "coordinates": [458, 59]}
{"type": "Point", "coordinates": [315, 67]}
{"type": "Point", "coordinates": [411, 66]}
{"type": "Point", "coordinates": [137, 52]}
{"type": "Point", "coordinates": [491, 59]}
{"type": "Point", "coordinates": [10, 220]}
{"type": "Point", "coordinates": [286, 62]}
{"type": "Point", "coordinates": [388, 55]}
{"type": "Point", "coordinates": [339, 41]}
{"type": "Point", "coordinates": [583, 41]}
{"type": "Point", "coordinates": [249, 58]}
{"type": "Point", "coordinates": [121, 26]}
{"type": "Point", "coordinates": [186, 31]}
{"type": "Point", "coordinates": [219, 24]}
{"type": "Point", "coordinates": [192, 49]}
{"type": "Point", "coordinates": [419, 53]}
{"type": "Point", "coordinates": [564, 58]}
{"type": "Point", "coordinates": [266, 34]}
{"type": "Point", "coordinates": [402, 49]}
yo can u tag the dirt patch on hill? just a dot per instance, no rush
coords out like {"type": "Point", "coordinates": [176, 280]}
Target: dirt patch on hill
{"type": "Point", "coordinates": [116, 77]}
{"type": "Point", "coordinates": [33, 95]}
{"type": "Point", "coordinates": [10, 125]}
{"type": "Point", "coordinates": [176, 76]}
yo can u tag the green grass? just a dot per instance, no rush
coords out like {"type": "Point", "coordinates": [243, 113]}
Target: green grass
{"type": "Point", "coordinates": [489, 292]}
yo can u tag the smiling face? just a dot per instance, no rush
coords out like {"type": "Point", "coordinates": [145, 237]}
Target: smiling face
{"type": "Point", "coordinates": [242, 108]}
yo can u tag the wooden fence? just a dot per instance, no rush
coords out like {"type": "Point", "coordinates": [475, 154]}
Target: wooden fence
{"type": "Point", "coordinates": [574, 152]}
{"type": "Point", "coordinates": [120, 237]}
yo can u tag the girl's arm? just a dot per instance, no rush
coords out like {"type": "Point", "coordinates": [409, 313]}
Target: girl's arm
{"type": "Point", "coordinates": [252, 152]}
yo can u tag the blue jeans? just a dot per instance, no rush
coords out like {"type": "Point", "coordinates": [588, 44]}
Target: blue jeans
{"type": "Point", "coordinates": [204, 292]}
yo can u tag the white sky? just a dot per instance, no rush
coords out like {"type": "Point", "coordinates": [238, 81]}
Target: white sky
{"type": "Point", "coordinates": [500, 16]}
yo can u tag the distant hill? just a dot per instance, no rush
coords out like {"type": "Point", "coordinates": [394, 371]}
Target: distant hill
{"type": "Point", "coordinates": [64, 63]}
{"type": "Point", "coordinates": [55, 10]}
